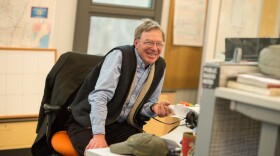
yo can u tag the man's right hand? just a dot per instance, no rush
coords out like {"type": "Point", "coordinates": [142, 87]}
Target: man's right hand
{"type": "Point", "coordinates": [162, 109]}
{"type": "Point", "coordinates": [98, 141]}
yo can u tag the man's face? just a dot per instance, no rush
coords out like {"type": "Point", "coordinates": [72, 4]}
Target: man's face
{"type": "Point", "coordinates": [149, 46]}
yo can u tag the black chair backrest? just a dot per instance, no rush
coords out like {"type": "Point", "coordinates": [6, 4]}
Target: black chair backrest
{"type": "Point", "coordinates": [61, 86]}
{"type": "Point", "coordinates": [80, 66]}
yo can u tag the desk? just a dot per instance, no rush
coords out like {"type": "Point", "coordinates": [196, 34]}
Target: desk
{"type": "Point", "coordinates": [100, 152]}
{"type": "Point", "coordinates": [175, 135]}
{"type": "Point", "coordinates": [224, 114]}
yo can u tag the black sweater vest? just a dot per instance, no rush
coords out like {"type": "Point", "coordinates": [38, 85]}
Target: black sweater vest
{"type": "Point", "coordinates": [80, 107]}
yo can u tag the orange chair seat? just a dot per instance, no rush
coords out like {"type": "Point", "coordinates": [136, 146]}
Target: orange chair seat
{"type": "Point", "coordinates": [62, 144]}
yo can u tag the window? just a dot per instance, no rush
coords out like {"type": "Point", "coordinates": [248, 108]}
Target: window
{"type": "Point", "coordinates": [104, 24]}
{"type": "Point", "coordinates": [114, 32]}
{"type": "Point", "coordinates": [133, 3]}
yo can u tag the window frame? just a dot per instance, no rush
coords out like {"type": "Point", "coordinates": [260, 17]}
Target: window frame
{"type": "Point", "coordinates": [86, 9]}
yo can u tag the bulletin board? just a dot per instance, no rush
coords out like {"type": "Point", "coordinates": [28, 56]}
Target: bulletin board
{"type": "Point", "coordinates": [22, 80]}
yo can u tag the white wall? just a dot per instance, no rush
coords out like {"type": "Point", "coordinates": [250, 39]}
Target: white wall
{"type": "Point", "coordinates": [165, 19]}
{"type": "Point", "coordinates": [64, 25]}
{"type": "Point", "coordinates": [210, 33]}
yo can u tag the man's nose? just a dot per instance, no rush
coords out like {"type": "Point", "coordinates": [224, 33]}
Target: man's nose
{"type": "Point", "coordinates": [154, 46]}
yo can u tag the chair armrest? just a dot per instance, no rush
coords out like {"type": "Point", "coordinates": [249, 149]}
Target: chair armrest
{"type": "Point", "coordinates": [48, 111]}
{"type": "Point", "coordinates": [49, 108]}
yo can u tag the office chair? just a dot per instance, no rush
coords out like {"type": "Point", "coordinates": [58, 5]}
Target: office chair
{"type": "Point", "coordinates": [61, 86]}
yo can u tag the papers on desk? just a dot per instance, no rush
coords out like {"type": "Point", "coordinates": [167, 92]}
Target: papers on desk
{"type": "Point", "coordinates": [180, 111]}
{"type": "Point", "coordinates": [100, 152]}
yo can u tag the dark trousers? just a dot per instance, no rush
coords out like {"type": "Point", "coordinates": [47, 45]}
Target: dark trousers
{"type": "Point", "coordinates": [115, 133]}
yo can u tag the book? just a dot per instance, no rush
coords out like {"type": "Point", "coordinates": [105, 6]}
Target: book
{"type": "Point", "coordinates": [253, 89]}
{"type": "Point", "coordinates": [216, 74]}
{"type": "Point", "coordinates": [258, 79]}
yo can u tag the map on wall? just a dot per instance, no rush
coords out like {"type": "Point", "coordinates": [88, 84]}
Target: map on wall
{"type": "Point", "coordinates": [26, 23]}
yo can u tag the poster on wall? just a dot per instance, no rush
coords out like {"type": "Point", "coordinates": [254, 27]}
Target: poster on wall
{"type": "Point", "coordinates": [26, 23]}
{"type": "Point", "coordinates": [189, 21]}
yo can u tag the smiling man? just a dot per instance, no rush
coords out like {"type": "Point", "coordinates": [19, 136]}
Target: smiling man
{"type": "Point", "coordinates": [121, 93]}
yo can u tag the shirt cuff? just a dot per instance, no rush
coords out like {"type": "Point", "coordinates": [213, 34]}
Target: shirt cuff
{"type": "Point", "coordinates": [146, 110]}
{"type": "Point", "coordinates": [97, 125]}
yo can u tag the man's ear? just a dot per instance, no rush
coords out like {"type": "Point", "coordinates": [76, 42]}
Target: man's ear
{"type": "Point", "coordinates": [136, 42]}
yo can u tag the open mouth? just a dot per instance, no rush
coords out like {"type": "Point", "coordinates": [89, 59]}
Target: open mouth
{"type": "Point", "coordinates": [151, 54]}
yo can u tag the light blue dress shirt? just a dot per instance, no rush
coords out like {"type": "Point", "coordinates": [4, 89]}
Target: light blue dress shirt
{"type": "Point", "coordinates": [106, 86]}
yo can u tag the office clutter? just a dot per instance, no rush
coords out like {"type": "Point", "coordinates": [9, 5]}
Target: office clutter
{"type": "Point", "coordinates": [144, 144]}
{"type": "Point", "coordinates": [266, 80]}
{"type": "Point", "coordinates": [269, 61]}
{"type": "Point", "coordinates": [188, 144]}
{"type": "Point", "coordinates": [254, 89]}
{"type": "Point", "coordinates": [256, 83]}
{"type": "Point", "coordinates": [250, 47]}
{"type": "Point", "coordinates": [187, 147]}
{"type": "Point", "coordinates": [234, 122]}
{"type": "Point", "coordinates": [189, 114]}
{"type": "Point", "coordinates": [216, 74]}
{"type": "Point", "coordinates": [141, 144]}
{"type": "Point", "coordinates": [258, 79]}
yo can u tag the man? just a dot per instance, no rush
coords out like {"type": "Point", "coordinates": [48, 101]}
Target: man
{"type": "Point", "coordinates": [125, 88]}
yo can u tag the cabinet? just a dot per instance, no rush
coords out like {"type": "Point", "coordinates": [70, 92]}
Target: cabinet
{"type": "Point", "coordinates": [17, 135]}
{"type": "Point", "coordinates": [234, 122]}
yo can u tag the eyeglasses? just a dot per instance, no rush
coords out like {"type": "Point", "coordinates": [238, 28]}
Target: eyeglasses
{"type": "Point", "coordinates": [152, 43]}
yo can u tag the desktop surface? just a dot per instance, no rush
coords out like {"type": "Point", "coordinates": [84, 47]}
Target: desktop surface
{"type": "Point", "coordinates": [175, 135]}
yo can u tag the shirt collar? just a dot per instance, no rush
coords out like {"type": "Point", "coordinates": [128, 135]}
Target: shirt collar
{"type": "Point", "coordinates": [140, 62]}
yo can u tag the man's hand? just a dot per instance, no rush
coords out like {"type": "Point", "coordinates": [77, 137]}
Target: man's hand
{"type": "Point", "coordinates": [162, 109]}
{"type": "Point", "coordinates": [98, 141]}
